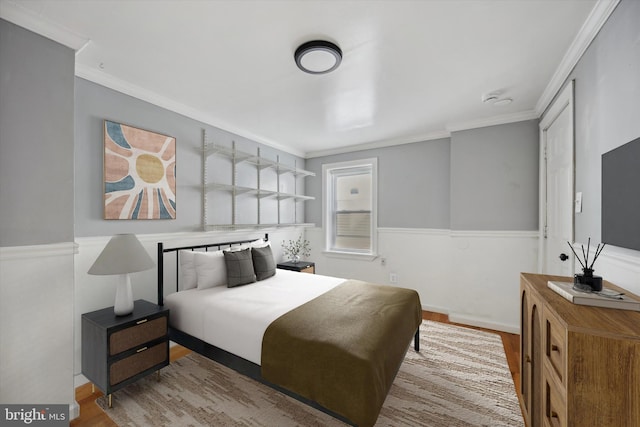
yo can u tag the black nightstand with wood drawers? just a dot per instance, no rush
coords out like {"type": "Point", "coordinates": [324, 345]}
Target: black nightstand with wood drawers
{"type": "Point", "coordinates": [119, 350]}
{"type": "Point", "coordinates": [302, 266]}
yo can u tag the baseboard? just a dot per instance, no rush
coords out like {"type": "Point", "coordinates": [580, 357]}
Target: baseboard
{"type": "Point", "coordinates": [435, 309]}
{"type": "Point", "coordinates": [473, 321]}
{"type": "Point", "coordinates": [483, 323]}
{"type": "Point", "coordinates": [74, 410]}
{"type": "Point", "coordinates": [79, 380]}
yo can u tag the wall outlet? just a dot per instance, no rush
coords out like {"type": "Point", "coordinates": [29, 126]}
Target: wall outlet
{"type": "Point", "coordinates": [393, 278]}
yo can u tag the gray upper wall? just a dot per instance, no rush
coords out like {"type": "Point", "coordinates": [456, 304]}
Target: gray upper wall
{"type": "Point", "coordinates": [607, 107]}
{"type": "Point", "coordinates": [479, 179]}
{"type": "Point", "coordinates": [95, 103]}
{"type": "Point", "coordinates": [36, 139]}
{"type": "Point", "coordinates": [413, 184]}
{"type": "Point", "coordinates": [494, 177]}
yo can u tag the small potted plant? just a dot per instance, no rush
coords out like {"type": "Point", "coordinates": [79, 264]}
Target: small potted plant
{"type": "Point", "coordinates": [296, 248]}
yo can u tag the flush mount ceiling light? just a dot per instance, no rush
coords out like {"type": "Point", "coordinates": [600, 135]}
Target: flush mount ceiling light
{"type": "Point", "coordinates": [318, 57]}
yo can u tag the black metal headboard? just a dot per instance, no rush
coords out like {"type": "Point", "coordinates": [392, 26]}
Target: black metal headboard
{"type": "Point", "coordinates": [162, 251]}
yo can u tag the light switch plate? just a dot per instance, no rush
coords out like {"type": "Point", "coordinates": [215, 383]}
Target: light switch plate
{"type": "Point", "coordinates": [578, 202]}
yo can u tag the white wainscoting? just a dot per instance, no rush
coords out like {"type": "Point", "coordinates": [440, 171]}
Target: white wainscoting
{"type": "Point", "coordinates": [36, 325]}
{"type": "Point", "coordinates": [473, 276]}
{"type": "Point", "coordinates": [96, 292]}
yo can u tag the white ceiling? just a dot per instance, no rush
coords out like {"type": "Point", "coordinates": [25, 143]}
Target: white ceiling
{"type": "Point", "coordinates": [411, 70]}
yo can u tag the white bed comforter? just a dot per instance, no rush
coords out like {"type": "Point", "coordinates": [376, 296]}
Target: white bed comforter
{"type": "Point", "coordinates": [235, 319]}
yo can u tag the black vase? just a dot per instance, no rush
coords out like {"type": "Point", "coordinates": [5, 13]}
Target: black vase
{"type": "Point", "coordinates": [587, 281]}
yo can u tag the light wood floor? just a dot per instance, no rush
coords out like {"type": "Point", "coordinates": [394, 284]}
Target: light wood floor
{"type": "Point", "coordinates": [92, 415]}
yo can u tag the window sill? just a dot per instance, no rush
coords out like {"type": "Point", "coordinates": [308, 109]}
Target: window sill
{"type": "Point", "coordinates": [350, 255]}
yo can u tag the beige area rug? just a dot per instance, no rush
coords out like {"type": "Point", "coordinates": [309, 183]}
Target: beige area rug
{"type": "Point", "coordinates": [459, 378]}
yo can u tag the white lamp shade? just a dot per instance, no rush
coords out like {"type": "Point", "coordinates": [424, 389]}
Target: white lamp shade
{"type": "Point", "coordinates": [123, 254]}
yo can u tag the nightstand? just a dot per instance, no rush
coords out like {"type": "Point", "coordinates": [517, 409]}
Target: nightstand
{"type": "Point", "coordinates": [302, 266]}
{"type": "Point", "coordinates": [119, 350]}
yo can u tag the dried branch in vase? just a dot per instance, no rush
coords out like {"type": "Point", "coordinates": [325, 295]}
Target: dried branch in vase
{"type": "Point", "coordinates": [296, 248]}
{"type": "Point", "coordinates": [587, 281]}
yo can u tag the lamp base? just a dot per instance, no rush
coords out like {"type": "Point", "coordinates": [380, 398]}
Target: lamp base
{"type": "Point", "coordinates": [124, 296]}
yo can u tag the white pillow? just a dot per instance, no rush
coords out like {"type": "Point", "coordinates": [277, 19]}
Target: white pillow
{"type": "Point", "coordinates": [260, 243]}
{"type": "Point", "coordinates": [210, 269]}
{"type": "Point", "coordinates": [187, 270]}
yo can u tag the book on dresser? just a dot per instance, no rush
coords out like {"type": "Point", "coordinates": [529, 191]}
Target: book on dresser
{"type": "Point", "coordinates": [607, 298]}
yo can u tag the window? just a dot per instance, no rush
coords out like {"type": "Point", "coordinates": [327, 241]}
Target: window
{"type": "Point", "coordinates": [349, 205]}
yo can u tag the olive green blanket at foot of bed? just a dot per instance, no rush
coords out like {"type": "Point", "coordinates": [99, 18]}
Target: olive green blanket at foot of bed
{"type": "Point", "coordinates": [343, 348]}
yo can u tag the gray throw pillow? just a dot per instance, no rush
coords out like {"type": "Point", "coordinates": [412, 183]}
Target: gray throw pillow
{"type": "Point", "coordinates": [263, 263]}
{"type": "Point", "coordinates": [239, 267]}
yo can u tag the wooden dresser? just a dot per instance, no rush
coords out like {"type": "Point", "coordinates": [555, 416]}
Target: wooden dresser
{"type": "Point", "coordinates": [580, 366]}
{"type": "Point", "coordinates": [118, 350]}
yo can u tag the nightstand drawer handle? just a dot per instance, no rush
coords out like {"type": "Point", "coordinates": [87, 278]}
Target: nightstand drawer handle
{"type": "Point", "coordinates": [554, 415]}
{"type": "Point", "coordinates": [555, 348]}
{"type": "Point", "coordinates": [141, 321]}
{"type": "Point", "coordinates": [140, 350]}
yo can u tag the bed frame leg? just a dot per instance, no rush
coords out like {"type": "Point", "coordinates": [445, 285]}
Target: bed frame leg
{"type": "Point", "coordinates": [416, 340]}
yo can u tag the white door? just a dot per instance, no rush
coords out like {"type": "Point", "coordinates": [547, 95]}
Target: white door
{"type": "Point", "coordinates": [556, 195]}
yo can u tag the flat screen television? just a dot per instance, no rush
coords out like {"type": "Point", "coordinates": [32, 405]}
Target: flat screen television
{"type": "Point", "coordinates": [621, 196]}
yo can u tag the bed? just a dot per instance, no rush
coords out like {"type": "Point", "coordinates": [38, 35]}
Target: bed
{"type": "Point", "coordinates": [332, 343]}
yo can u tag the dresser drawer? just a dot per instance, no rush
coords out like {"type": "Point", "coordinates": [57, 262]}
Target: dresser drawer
{"type": "Point", "coordinates": [145, 331]}
{"type": "Point", "coordinates": [144, 359]}
{"type": "Point", "coordinates": [555, 345]}
{"type": "Point", "coordinates": [555, 414]}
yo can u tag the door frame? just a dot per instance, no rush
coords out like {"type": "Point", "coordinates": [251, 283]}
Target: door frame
{"type": "Point", "coordinates": [564, 100]}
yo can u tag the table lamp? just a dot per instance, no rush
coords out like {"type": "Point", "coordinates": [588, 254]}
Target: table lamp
{"type": "Point", "coordinates": [124, 254]}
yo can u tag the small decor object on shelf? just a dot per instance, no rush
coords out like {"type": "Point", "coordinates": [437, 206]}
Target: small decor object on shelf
{"type": "Point", "coordinates": [587, 282]}
{"type": "Point", "coordinates": [297, 248]}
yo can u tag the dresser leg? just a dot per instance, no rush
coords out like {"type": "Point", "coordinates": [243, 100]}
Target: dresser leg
{"type": "Point", "coordinates": [158, 375]}
{"type": "Point", "coordinates": [93, 388]}
{"type": "Point", "coordinates": [110, 402]}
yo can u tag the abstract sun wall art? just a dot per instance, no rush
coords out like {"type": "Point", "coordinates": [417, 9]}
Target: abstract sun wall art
{"type": "Point", "coordinates": [139, 173]}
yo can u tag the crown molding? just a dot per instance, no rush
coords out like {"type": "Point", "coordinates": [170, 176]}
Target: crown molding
{"type": "Point", "coordinates": [493, 121]}
{"type": "Point", "coordinates": [32, 21]}
{"type": "Point", "coordinates": [378, 144]}
{"type": "Point", "coordinates": [104, 79]}
{"type": "Point", "coordinates": [596, 19]}
{"type": "Point", "coordinates": [475, 124]}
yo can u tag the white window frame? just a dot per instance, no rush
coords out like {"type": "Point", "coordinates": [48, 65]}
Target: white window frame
{"type": "Point", "coordinates": [328, 202]}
